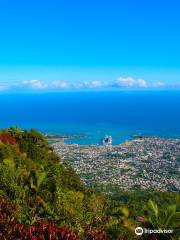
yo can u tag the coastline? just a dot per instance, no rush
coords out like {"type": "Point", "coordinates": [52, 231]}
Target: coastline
{"type": "Point", "coordinates": [54, 138]}
{"type": "Point", "coordinates": [64, 138]}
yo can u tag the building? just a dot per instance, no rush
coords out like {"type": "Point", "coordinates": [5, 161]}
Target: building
{"type": "Point", "coordinates": [107, 141]}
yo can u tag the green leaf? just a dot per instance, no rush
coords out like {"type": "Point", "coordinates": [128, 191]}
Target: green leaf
{"type": "Point", "coordinates": [125, 211]}
{"type": "Point", "coordinates": [40, 178]}
{"type": "Point", "coordinates": [153, 207]}
{"type": "Point", "coordinates": [9, 162]}
{"type": "Point", "coordinates": [173, 221]}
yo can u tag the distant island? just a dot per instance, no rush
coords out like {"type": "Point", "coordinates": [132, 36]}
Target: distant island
{"type": "Point", "coordinates": [53, 138]}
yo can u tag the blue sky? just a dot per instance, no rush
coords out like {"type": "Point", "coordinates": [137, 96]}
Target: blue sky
{"type": "Point", "coordinates": [89, 44]}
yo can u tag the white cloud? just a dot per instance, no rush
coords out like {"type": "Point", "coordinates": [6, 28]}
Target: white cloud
{"type": "Point", "coordinates": [35, 84]}
{"type": "Point", "coordinates": [3, 87]}
{"type": "Point", "coordinates": [60, 84]}
{"type": "Point", "coordinates": [125, 82]}
{"type": "Point", "coordinates": [131, 82]}
{"type": "Point", "coordinates": [157, 84]}
{"type": "Point", "coordinates": [121, 82]}
{"type": "Point", "coordinates": [93, 84]}
{"type": "Point", "coordinates": [77, 85]}
{"type": "Point", "coordinates": [97, 84]}
{"type": "Point", "coordinates": [142, 83]}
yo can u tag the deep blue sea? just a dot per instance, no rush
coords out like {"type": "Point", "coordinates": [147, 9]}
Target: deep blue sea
{"type": "Point", "coordinates": [95, 114]}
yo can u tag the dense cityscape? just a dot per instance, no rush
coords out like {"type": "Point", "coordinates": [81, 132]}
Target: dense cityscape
{"type": "Point", "coordinates": [141, 163]}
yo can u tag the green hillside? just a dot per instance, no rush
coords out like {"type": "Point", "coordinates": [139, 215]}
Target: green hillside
{"type": "Point", "coordinates": [43, 198]}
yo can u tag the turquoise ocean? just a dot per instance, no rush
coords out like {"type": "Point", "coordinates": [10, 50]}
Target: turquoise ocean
{"type": "Point", "coordinates": [94, 114]}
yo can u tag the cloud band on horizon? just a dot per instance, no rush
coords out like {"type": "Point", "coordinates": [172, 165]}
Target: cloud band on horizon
{"type": "Point", "coordinates": [119, 83]}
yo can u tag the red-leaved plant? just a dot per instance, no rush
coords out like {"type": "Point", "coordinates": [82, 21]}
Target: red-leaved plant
{"type": "Point", "coordinates": [95, 234]}
{"type": "Point", "coordinates": [6, 138]}
{"type": "Point", "coordinates": [11, 230]}
{"type": "Point", "coordinates": [42, 230]}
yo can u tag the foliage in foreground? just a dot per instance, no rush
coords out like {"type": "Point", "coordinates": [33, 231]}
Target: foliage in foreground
{"type": "Point", "coordinates": [10, 229]}
{"type": "Point", "coordinates": [43, 198]}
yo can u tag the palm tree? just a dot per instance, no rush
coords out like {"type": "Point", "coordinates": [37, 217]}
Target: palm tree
{"type": "Point", "coordinates": [164, 219]}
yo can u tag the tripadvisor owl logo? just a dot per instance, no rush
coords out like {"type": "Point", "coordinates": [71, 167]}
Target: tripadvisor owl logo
{"type": "Point", "coordinates": [139, 231]}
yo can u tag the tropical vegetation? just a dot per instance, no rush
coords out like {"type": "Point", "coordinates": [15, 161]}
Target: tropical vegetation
{"type": "Point", "coordinates": [42, 198]}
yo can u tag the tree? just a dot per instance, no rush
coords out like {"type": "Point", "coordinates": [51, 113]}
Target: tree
{"type": "Point", "coordinates": [168, 218]}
